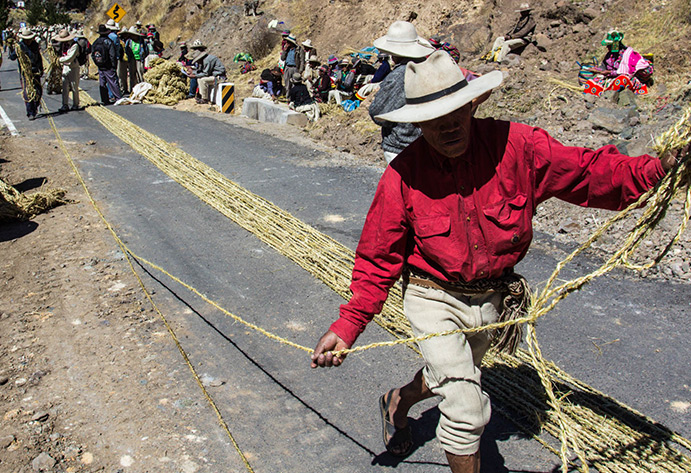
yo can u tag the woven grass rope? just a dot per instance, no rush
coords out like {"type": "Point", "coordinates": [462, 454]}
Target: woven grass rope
{"type": "Point", "coordinates": [169, 85]}
{"type": "Point", "coordinates": [26, 74]}
{"type": "Point", "coordinates": [15, 205]}
{"type": "Point", "coordinates": [54, 72]}
{"type": "Point", "coordinates": [535, 394]}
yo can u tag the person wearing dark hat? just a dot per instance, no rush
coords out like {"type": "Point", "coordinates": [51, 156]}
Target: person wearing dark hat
{"type": "Point", "coordinates": [404, 45]}
{"type": "Point", "coordinates": [210, 71]}
{"type": "Point", "coordinates": [300, 99]}
{"type": "Point", "coordinates": [123, 64]}
{"type": "Point", "coordinates": [188, 69]}
{"type": "Point", "coordinates": [104, 56]}
{"type": "Point", "coordinates": [453, 214]}
{"type": "Point", "coordinates": [69, 52]}
{"type": "Point", "coordinates": [517, 37]}
{"type": "Point", "coordinates": [322, 85]}
{"type": "Point", "coordinates": [30, 80]}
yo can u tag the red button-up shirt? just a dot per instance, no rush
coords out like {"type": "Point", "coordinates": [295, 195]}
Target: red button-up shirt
{"type": "Point", "coordinates": [471, 217]}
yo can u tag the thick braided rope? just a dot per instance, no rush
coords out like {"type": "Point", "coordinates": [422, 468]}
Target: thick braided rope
{"type": "Point", "coordinates": [26, 73]}
{"type": "Point", "coordinates": [567, 422]}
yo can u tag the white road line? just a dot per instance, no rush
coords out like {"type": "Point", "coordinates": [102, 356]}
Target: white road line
{"type": "Point", "coordinates": [8, 122]}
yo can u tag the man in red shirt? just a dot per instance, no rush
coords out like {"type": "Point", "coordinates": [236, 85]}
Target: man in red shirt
{"type": "Point", "coordinates": [453, 215]}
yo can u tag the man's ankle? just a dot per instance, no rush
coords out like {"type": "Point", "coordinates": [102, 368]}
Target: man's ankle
{"type": "Point", "coordinates": [464, 463]}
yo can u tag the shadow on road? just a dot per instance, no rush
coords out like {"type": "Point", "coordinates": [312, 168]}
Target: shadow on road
{"type": "Point", "coordinates": [14, 230]}
{"type": "Point", "coordinates": [29, 184]}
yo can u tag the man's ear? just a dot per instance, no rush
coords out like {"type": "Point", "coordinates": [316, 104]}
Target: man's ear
{"type": "Point", "coordinates": [478, 100]}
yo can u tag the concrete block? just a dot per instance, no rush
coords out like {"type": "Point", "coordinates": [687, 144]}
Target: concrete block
{"type": "Point", "coordinates": [265, 111]}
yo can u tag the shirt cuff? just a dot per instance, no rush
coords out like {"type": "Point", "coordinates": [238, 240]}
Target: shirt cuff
{"type": "Point", "coordinates": [346, 330]}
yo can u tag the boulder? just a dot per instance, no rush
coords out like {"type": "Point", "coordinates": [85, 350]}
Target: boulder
{"type": "Point", "coordinates": [542, 41]}
{"type": "Point", "coordinates": [614, 120]}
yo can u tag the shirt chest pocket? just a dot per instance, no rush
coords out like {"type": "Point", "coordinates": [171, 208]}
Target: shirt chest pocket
{"type": "Point", "coordinates": [508, 225]}
{"type": "Point", "coordinates": [432, 236]}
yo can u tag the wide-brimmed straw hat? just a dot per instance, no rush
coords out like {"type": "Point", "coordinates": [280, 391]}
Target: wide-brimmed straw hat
{"type": "Point", "coordinates": [402, 40]}
{"type": "Point", "coordinates": [133, 32]}
{"type": "Point", "coordinates": [436, 87]}
{"type": "Point", "coordinates": [63, 36]}
{"type": "Point", "coordinates": [26, 33]}
{"type": "Point", "coordinates": [313, 58]}
{"type": "Point", "coordinates": [308, 44]}
{"type": "Point", "coordinates": [111, 25]}
{"type": "Point", "coordinates": [292, 39]}
{"type": "Point", "coordinates": [524, 7]}
{"type": "Point", "coordinates": [198, 44]}
{"type": "Point", "coordinates": [199, 56]}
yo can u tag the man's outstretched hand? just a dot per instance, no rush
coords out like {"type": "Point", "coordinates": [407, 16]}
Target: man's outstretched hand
{"type": "Point", "coordinates": [323, 356]}
{"type": "Point", "coordinates": [670, 159]}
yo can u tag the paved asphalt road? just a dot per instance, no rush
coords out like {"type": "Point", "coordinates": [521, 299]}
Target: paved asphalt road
{"type": "Point", "coordinates": [284, 415]}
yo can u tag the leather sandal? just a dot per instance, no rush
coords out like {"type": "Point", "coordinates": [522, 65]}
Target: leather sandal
{"type": "Point", "coordinates": [392, 436]}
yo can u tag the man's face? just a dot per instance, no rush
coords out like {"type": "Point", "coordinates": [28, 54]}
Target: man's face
{"type": "Point", "coordinates": [449, 134]}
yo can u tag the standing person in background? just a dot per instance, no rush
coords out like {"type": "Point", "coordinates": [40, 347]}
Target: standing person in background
{"type": "Point", "coordinates": [85, 48]}
{"type": "Point", "coordinates": [136, 51]}
{"type": "Point", "coordinates": [123, 65]}
{"type": "Point", "coordinates": [291, 58]}
{"type": "Point", "coordinates": [103, 55]}
{"type": "Point", "coordinates": [30, 79]}
{"type": "Point", "coordinates": [69, 53]}
{"type": "Point", "coordinates": [307, 50]}
{"type": "Point", "coordinates": [404, 45]}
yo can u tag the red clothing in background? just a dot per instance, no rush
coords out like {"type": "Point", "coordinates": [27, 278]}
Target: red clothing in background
{"type": "Point", "coordinates": [471, 217]}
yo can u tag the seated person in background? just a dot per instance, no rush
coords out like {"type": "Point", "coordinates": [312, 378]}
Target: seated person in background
{"type": "Point", "coordinates": [322, 86]}
{"type": "Point", "coordinates": [383, 69]}
{"type": "Point", "coordinates": [270, 86]}
{"type": "Point", "coordinates": [621, 68]}
{"type": "Point", "coordinates": [623, 60]}
{"type": "Point", "coordinates": [210, 71]}
{"type": "Point", "coordinates": [520, 35]}
{"type": "Point", "coordinates": [300, 99]}
{"type": "Point", "coordinates": [311, 73]}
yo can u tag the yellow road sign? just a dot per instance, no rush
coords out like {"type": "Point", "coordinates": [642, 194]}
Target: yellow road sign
{"type": "Point", "coordinates": [116, 12]}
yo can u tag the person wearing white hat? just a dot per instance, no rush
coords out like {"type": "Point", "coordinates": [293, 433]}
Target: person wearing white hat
{"type": "Point", "coordinates": [32, 91]}
{"type": "Point", "coordinates": [404, 45]}
{"type": "Point", "coordinates": [452, 214]}
{"type": "Point", "coordinates": [136, 50]}
{"type": "Point", "coordinates": [517, 37]}
{"type": "Point", "coordinates": [69, 53]}
{"type": "Point", "coordinates": [294, 61]}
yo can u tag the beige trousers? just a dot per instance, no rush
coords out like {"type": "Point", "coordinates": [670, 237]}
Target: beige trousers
{"type": "Point", "coordinates": [70, 81]}
{"type": "Point", "coordinates": [452, 363]}
{"type": "Point", "coordinates": [205, 86]}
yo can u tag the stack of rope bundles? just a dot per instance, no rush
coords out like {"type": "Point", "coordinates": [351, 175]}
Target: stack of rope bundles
{"type": "Point", "coordinates": [17, 206]}
{"type": "Point", "coordinates": [169, 84]}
